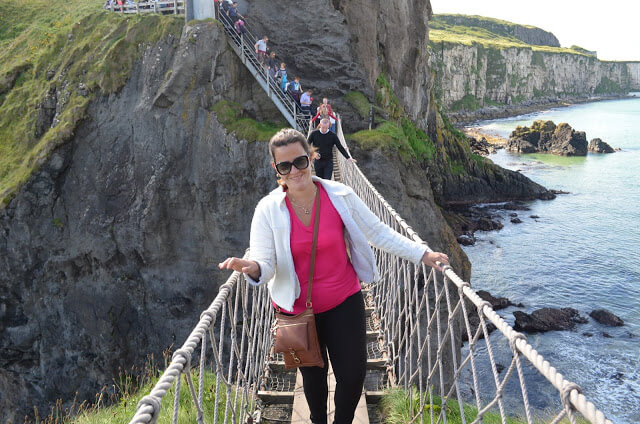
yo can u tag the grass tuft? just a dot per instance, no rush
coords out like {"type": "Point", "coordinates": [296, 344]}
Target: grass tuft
{"type": "Point", "coordinates": [230, 115]}
{"type": "Point", "coordinates": [49, 49]}
{"type": "Point", "coordinates": [359, 102]}
{"type": "Point", "coordinates": [400, 406]}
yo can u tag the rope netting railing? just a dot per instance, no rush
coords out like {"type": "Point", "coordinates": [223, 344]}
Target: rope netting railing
{"type": "Point", "coordinates": [245, 48]}
{"type": "Point", "coordinates": [424, 317]}
{"type": "Point", "coordinates": [232, 342]}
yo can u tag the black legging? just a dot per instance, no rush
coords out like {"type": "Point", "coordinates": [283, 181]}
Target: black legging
{"type": "Point", "coordinates": [342, 331]}
{"type": "Point", "coordinates": [324, 168]}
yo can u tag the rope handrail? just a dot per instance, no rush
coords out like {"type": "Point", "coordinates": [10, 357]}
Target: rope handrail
{"type": "Point", "coordinates": [571, 394]}
{"type": "Point", "coordinates": [421, 316]}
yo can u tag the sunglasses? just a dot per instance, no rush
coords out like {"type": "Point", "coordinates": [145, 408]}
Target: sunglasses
{"type": "Point", "coordinates": [301, 162]}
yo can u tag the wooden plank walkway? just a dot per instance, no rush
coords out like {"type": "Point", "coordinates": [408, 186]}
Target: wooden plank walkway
{"type": "Point", "coordinates": [300, 414]}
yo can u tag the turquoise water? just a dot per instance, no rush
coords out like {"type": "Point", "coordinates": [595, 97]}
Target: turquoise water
{"type": "Point", "coordinates": [582, 252]}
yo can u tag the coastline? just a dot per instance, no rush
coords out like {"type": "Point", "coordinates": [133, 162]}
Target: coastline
{"type": "Point", "coordinates": [465, 118]}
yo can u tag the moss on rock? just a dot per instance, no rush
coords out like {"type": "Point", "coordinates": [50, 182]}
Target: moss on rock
{"type": "Point", "coordinates": [64, 52]}
{"type": "Point", "coordinates": [230, 115]}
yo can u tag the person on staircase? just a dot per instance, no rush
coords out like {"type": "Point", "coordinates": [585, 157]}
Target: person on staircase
{"type": "Point", "coordinates": [324, 140]}
{"type": "Point", "coordinates": [233, 13]}
{"type": "Point", "coordinates": [325, 102]}
{"type": "Point", "coordinates": [280, 243]}
{"type": "Point", "coordinates": [295, 90]}
{"type": "Point", "coordinates": [272, 65]}
{"type": "Point", "coordinates": [281, 77]}
{"type": "Point", "coordinates": [305, 103]}
{"type": "Point", "coordinates": [261, 50]}
{"type": "Point", "coordinates": [240, 28]}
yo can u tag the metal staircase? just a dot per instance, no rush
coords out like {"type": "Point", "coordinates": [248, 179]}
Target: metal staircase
{"type": "Point", "coordinates": [243, 46]}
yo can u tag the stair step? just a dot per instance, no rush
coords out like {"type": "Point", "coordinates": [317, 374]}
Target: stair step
{"type": "Point", "coordinates": [372, 363]}
{"type": "Point", "coordinates": [273, 396]}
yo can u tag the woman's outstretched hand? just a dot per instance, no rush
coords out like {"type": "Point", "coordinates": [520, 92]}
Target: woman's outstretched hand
{"type": "Point", "coordinates": [430, 259]}
{"type": "Point", "coordinates": [242, 265]}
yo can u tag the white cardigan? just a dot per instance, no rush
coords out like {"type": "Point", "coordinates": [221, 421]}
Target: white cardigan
{"type": "Point", "coordinates": [271, 231]}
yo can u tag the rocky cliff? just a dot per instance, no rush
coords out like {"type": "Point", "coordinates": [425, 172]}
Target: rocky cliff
{"type": "Point", "coordinates": [525, 33]}
{"type": "Point", "coordinates": [484, 77]}
{"type": "Point", "coordinates": [108, 251]}
{"type": "Point", "coordinates": [340, 46]}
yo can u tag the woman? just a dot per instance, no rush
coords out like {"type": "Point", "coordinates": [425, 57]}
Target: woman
{"type": "Point", "coordinates": [323, 113]}
{"type": "Point", "coordinates": [280, 246]}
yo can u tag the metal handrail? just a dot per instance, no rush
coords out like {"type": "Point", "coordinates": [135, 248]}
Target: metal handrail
{"type": "Point", "coordinates": [245, 44]}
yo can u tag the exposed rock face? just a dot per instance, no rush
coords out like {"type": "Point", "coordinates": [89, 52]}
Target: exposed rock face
{"type": "Point", "coordinates": [353, 42]}
{"type": "Point", "coordinates": [46, 111]}
{"type": "Point", "coordinates": [606, 317]}
{"type": "Point", "coordinates": [598, 146]}
{"type": "Point", "coordinates": [527, 34]}
{"type": "Point", "coordinates": [548, 319]}
{"type": "Point", "coordinates": [519, 80]}
{"type": "Point", "coordinates": [546, 137]}
{"type": "Point", "coordinates": [109, 252]}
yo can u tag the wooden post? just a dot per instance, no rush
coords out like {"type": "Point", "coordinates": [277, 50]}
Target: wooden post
{"type": "Point", "coordinates": [155, 6]}
{"type": "Point", "coordinates": [175, 7]}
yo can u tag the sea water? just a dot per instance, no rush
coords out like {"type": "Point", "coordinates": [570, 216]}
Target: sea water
{"type": "Point", "coordinates": [582, 252]}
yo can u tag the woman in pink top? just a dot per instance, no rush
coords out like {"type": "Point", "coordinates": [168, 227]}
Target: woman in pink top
{"type": "Point", "coordinates": [337, 301]}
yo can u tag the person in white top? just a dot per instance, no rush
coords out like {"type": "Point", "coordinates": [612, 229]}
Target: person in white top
{"type": "Point", "coordinates": [261, 49]}
{"type": "Point", "coordinates": [274, 257]}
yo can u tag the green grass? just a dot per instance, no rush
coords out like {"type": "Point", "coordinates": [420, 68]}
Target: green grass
{"type": "Point", "coordinates": [398, 133]}
{"type": "Point", "coordinates": [386, 98]}
{"type": "Point", "coordinates": [230, 115]}
{"type": "Point", "coordinates": [74, 41]}
{"type": "Point", "coordinates": [487, 32]}
{"type": "Point", "coordinates": [607, 86]}
{"type": "Point", "coordinates": [399, 407]}
{"type": "Point", "coordinates": [359, 102]}
{"type": "Point", "coordinates": [404, 138]}
{"type": "Point", "coordinates": [123, 411]}
{"type": "Point", "coordinates": [469, 102]}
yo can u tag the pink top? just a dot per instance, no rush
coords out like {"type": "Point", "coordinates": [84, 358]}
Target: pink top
{"type": "Point", "coordinates": [334, 277]}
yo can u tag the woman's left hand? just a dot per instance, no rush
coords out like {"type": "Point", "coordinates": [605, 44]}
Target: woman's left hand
{"type": "Point", "coordinates": [430, 259]}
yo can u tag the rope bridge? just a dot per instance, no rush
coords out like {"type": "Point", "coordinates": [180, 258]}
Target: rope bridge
{"type": "Point", "coordinates": [417, 320]}
{"type": "Point", "coordinates": [418, 317]}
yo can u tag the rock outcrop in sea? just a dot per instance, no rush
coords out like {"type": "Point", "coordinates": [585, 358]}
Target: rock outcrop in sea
{"type": "Point", "coordinates": [598, 146]}
{"type": "Point", "coordinates": [548, 319]}
{"type": "Point", "coordinates": [606, 317]}
{"type": "Point", "coordinates": [546, 137]}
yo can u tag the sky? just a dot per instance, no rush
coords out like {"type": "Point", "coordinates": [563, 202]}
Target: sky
{"type": "Point", "coordinates": [612, 28]}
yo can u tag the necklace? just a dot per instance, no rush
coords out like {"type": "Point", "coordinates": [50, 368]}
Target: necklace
{"type": "Point", "coordinates": [306, 210]}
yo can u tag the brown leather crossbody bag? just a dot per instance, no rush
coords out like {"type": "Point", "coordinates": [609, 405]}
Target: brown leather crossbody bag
{"type": "Point", "coordinates": [296, 335]}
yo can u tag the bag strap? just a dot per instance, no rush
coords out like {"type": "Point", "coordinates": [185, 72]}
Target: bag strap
{"type": "Point", "coordinates": [313, 248]}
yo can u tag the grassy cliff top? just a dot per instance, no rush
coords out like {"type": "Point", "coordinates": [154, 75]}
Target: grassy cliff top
{"type": "Point", "coordinates": [61, 54]}
{"type": "Point", "coordinates": [487, 32]}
